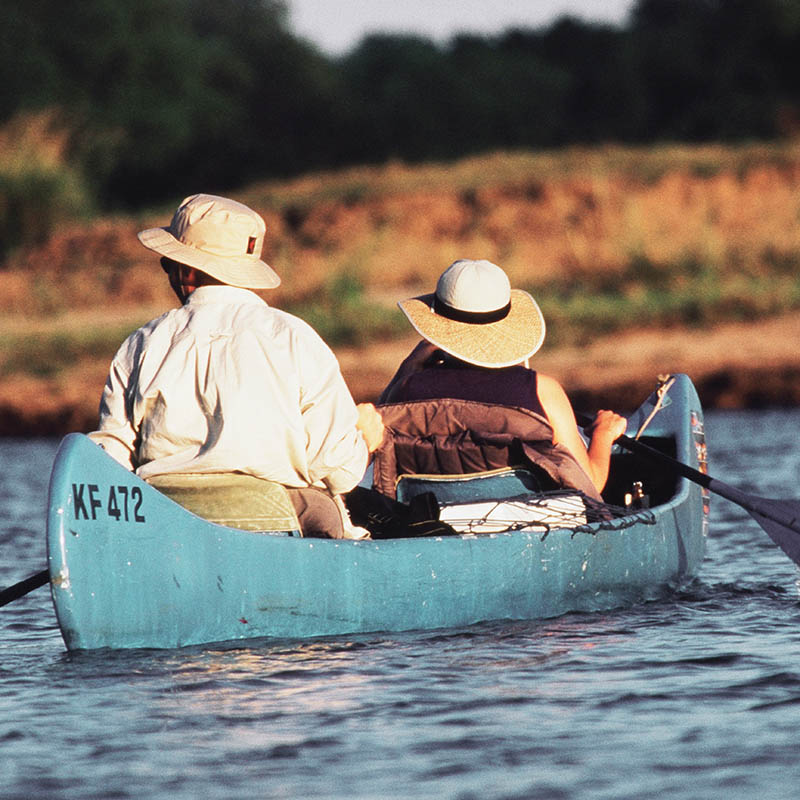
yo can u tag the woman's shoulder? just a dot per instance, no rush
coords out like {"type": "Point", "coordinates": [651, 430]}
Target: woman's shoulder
{"type": "Point", "coordinates": [552, 394]}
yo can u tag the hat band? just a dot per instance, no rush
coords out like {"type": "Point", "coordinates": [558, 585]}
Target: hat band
{"type": "Point", "coordinates": [474, 317]}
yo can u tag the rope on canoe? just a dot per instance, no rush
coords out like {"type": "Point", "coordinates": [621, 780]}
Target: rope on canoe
{"type": "Point", "coordinates": [664, 383]}
{"type": "Point", "coordinates": [561, 510]}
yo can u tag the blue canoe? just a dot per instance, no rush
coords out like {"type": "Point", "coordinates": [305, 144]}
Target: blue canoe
{"type": "Point", "coordinates": [131, 568]}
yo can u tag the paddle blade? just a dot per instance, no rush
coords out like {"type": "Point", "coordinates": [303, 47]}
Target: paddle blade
{"type": "Point", "coordinates": [786, 532]}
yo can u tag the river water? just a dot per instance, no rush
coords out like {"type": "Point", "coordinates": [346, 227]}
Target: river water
{"type": "Point", "coordinates": [696, 696]}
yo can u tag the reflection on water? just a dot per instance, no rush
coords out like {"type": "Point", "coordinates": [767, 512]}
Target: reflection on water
{"type": "Point", "coordinates": [695, 696]}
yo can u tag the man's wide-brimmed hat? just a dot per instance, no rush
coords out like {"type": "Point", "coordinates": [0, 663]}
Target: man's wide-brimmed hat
{"type": "Point", "coordinates": [476, 316]}
{"type": "Point", "coordinates": [218, 236]}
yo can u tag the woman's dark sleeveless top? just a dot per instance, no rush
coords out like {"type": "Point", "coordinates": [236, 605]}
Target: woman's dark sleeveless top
{"type": "Point", "coordinates": [452, 418]}
{"type": "Point", "coordinates": [508, 386]}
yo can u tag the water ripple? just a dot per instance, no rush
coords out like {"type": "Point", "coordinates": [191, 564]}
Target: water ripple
{"type": "Point", "coordinates": [653, 700]}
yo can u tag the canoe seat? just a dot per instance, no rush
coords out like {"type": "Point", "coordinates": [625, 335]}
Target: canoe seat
{"type": "Point", "coordinates": [232, 499]}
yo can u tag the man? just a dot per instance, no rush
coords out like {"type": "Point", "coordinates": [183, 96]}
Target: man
{"type": "Point", "coordinates": [225, 383]}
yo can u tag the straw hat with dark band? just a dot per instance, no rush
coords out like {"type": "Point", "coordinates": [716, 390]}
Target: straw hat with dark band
{"type": "Point", "coordinates": [477, 317]}
{"type": "Point", "coordinates": [218, 236]}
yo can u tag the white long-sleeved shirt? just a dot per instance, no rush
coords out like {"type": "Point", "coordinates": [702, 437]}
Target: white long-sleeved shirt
{"type": "Point", "coordinates": [227, 383]}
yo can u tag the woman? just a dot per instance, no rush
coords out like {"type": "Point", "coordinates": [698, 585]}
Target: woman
{"type": "Point", "coordinates": [479, 335]}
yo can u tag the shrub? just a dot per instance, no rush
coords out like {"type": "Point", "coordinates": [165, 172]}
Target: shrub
{"type": "Point", "coordinates": [39, 189]}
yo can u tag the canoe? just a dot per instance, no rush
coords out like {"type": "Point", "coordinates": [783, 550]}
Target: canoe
{"type": "Point", "coordinates": [131, 568]}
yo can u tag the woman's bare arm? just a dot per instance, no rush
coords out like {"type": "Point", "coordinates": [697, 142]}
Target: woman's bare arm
{"type": "Point", "coordinates": [608, 426]}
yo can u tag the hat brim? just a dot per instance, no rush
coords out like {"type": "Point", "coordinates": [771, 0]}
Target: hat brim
{"type": "Point", "coordinates": [246, 272]}
{"type": "Point", "coordinates": [504, 343]}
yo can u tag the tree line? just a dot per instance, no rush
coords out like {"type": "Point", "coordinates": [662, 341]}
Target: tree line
{"type": "Point", "coordinates": [161, 97]}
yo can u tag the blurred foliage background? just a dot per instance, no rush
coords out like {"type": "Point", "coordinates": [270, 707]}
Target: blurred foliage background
{"type": "Point", "coordinates": [108, 105]}
{"type": "Point", "coordinates": [633, 177]}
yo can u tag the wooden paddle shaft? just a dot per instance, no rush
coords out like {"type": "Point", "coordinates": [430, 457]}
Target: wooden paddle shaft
{"type": "Point", "coordinates": [23, 587]}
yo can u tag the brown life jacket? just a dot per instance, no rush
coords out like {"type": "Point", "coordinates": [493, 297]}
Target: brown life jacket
{"type": "Point", "coordinates": [457, 437]}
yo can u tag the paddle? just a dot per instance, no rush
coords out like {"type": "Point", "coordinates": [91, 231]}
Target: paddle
{"type": "Point", "coordinates": [23, 587]}
{"type": "Point", "coordinates": [779, 518]}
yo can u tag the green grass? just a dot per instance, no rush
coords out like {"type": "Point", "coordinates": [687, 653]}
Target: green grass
{"type": "Point", "coordinates": [39, 188]}
{"type": "Point", "coordinates": [343, 315]}
{"type": "Point", "coordinates": [340, 313]}
{"type": "Point", "coordinates": [45, 355]}
{"type": "Point", "coordinates": [690, 293]}
{"type": "Point", "coordinates": [647, 295]}
{"type": "Point", "coordinates": [644, 295]}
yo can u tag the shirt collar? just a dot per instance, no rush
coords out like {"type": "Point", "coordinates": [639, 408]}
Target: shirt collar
{"type": "Point", "coordinates": [204, 295]}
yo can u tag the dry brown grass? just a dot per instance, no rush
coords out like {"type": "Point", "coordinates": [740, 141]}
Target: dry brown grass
{"type": "Point", "coordinates": [33, 136]}
{"type": "Point", "coordinates": [671, 225]}
{"type": "Point", "coordinates": [557, 215]}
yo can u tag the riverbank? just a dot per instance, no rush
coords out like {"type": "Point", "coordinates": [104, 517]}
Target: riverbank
{"type": "Point", "coordinates": [644, 261]}
{"type": "Point", "coordinates": [733, 365]}
{"type": "Point", "coordinates": [753, 365]}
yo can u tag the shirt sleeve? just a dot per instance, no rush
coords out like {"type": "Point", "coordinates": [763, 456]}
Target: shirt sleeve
{"type": "Point", "coordinates": [115, 432]}
{"type": "Point", "coordinates": [336, 451]}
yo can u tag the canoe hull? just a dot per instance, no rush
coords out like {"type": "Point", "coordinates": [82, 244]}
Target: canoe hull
{"type": "Point", "coordinates": [130, 568]}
